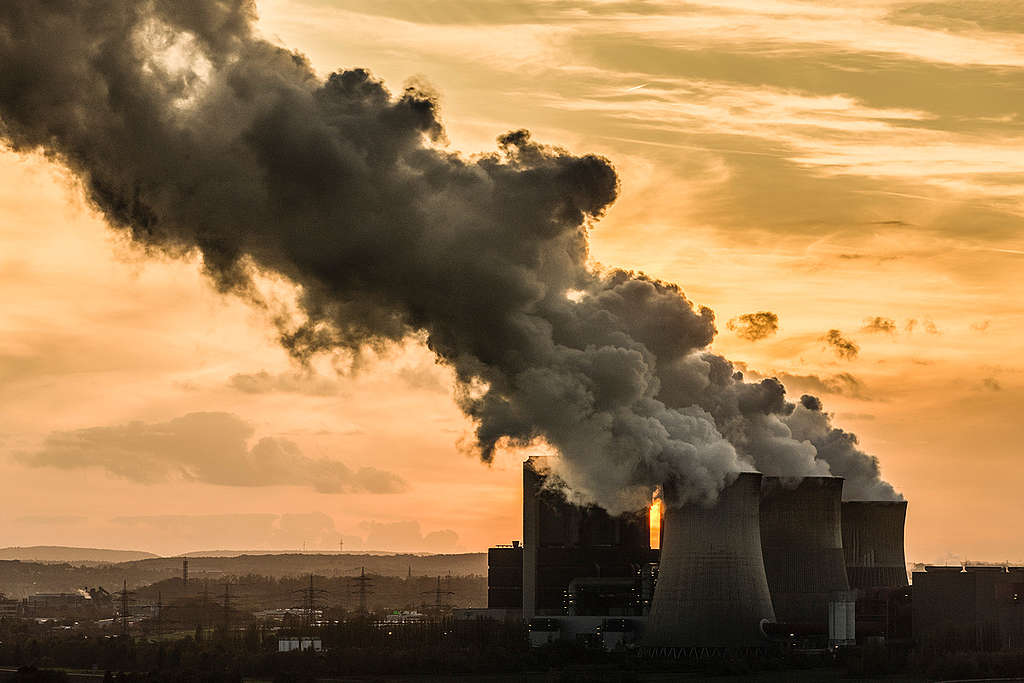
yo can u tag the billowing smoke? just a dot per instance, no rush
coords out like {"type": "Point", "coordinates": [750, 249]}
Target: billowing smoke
{"type": "Point", "coordinates": [192, 134]}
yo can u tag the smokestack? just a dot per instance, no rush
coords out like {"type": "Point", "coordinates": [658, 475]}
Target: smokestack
{"type": "Point", "coordinates": [712, 590]}
{"type": "Point", "coordinates": [873, 543]}
{"type": "Point", "coordinates": [802, 544]}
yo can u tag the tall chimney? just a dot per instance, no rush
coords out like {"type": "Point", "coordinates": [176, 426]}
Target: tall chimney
{"type": "Point", "coordinates": [711, 589]}
{"type": "Point", "coordinates": [873, 543]}
{"type": "Point", "coordinates": [802, 544]}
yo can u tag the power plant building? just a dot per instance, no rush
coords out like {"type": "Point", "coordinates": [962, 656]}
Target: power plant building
{"type": "Point", "coordinates": [772, 560]}
{"type": "Point", "coordinates": [505, 577]}
{"type": "Point", "coordinates": [579, 560]}
{"type": "Point", "coordinates": [972, 608]}
{"type": "Point", "coordinates": [802, 545]}
{"type": "Point", "coordinates": [712, 591]}
{"type": "Point", "coordinates": [873, 543]}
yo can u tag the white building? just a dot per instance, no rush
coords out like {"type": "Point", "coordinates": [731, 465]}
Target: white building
{"type": "Point", "coordinates": [290, 644]}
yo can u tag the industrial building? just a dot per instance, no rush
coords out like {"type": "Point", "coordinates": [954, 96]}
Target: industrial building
{"type": "Point", "coordinates": [773, 561]}
{"type": "Point", "coordinates": [873, 543]}
{"type": "Point", "coordinates": [579, 561]}
{"type": "Point", "coordinates": [9, 608]}
{"type": "Point", "coordinates": [580, 574]}
{"type": "Point", "coordinates": [802, 545]}
{"type": "Point", "coordinates": [712, 591]}
{"type": "Point", "coordinates": [969, 608]}
{"type": "Point", "coordinates": [505, 577]}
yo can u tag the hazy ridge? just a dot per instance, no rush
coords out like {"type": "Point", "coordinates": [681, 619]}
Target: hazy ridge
{"type": "Point", "coordinates": [60, 553]}
{"type": "Point", "coordinates": [19, 579]}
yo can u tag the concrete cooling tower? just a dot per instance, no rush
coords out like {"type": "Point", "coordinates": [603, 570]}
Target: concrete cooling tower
{"type": "Point", "coordinates": [802, 544]}
{"type": "Point", "coordinates": [711, 590]}
{"type": "Point", "coordinates": [873, 543]}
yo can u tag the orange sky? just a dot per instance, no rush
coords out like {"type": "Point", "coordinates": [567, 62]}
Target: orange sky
{"type": "Point", "coordinates": [832, 164]}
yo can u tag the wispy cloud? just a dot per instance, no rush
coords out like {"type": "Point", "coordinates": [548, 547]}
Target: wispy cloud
{"type": "Point", "coordinates": [845, 348]}
{"type": "Point", "coordinates": [211, 448]}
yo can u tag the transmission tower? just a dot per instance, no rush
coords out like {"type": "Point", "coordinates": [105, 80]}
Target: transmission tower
{"type": "Point", "coordinates": [311, 598]}
{"type": "Point", "coordinates": [437, 593]}
{"type": "Point", "coordinates": [202, 612]}
{"type": "Point", "coordinates": [364, 588]}
{"type": "Point", "coordinates": [126, 597]}
{"type": "Point", "coordinates": [227, 609]}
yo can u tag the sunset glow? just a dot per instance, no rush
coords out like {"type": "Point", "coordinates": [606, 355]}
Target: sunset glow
{"type": "Point", "coordinates": [841, 184]}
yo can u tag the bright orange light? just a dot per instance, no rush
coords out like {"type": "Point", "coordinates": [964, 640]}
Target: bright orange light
{"type": "Point", "coordinates": [655, 523]}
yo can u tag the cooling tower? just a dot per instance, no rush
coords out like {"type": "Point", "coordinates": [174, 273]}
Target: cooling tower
{"type": "Point", "coordinates": [873, 543]}
{"type": "Point", "coordinates": [711, 589]}
{"type": "Point", "coordinates": [802, 544]}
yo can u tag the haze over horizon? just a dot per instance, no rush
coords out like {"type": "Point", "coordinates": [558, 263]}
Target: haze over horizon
{"type": "Point", "coordinates": [859, 241]}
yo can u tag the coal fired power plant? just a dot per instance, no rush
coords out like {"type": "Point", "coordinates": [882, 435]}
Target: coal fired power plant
{"type": "Point", "coordinates": [802, 544]}
{"type": "Point", "coordinates": [712, 591]}
{"type": "Point", "coordinates": [772, 561]}
{"type": "Point", "coordinates": [873, 543]}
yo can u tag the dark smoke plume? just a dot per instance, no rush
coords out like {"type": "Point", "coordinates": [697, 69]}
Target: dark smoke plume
{"type": "Point", "coordinates": [193, 135]}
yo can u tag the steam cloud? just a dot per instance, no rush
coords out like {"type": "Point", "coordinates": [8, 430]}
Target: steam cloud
{"type": "Point", "coordinates": [192, 134]}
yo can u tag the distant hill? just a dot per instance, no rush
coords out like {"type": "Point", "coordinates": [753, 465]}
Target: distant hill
{"type": "Point", "coordinates": [237, 553]}
{"type": "Point", "coordinates": [333, 564]}
{"type": "Point", "coordinates": [19, 579]}
{"type": "Point", "coordinates": [59, 553]}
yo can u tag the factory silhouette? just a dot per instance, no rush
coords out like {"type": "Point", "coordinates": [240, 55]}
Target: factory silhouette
{"type": "Point", "coordinates": [773, 563]}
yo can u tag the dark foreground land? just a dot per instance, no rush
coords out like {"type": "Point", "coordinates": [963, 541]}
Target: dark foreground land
{"type": "Point", "coordinates": [358, 649]}
{"type": "Point", "coordinates": [579, 674]}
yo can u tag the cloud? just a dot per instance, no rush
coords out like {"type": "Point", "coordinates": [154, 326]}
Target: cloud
{"type": "Point", "coordinates": [51, 520]}
{"type": "Point", "coordinates": [346, 191]}
{"type": "Point", "coordinates": [211, 448]}
{"type": "Point", "coordinates": [846, 349]}
{"type": "Point", "coordinates": [926, 324]}
{"type": "Point", "coordinates": [879, 325]}
{"type": "Point", "coordinates": [754, 326]}
{"type": "Point", "coordinates": [315, 530]}
{"type": "Point", "coordinates": [991, 384]}
{"type": "Point", "coordinates": [839, 384]}
{"type": "Point", "coordinates": [263, 382]}
{"type": "Point", "coordinates": [981, 326]}
{"type": "Point", "coordinates": [970, 16]}
{"type": "Point", "coordinates": [425, 376]}
{"type": "Point", "coordinates": [406, 535]}
{"type": "Point", "coordinates": [858, 416]}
